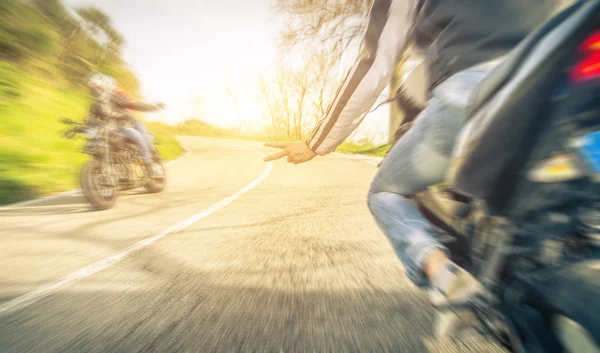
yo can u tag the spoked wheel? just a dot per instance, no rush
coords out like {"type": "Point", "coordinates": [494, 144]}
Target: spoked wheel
{"type": "Point", "coordinates": [158, 182]}
{"type": "Point", "coordinates": [99, 195]}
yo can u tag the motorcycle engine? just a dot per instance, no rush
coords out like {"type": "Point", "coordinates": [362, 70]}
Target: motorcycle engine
{"type": "Point", "coordinates": [590, 221]}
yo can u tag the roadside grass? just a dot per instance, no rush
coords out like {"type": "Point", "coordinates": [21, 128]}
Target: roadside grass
{"type": "Point", "coordinates": [364, 149]}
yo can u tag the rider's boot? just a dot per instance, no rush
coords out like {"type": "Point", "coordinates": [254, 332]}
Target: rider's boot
{"type": "Point", "coordinates": [456, 287]}
{"type": "Point", "coordinates": [149, 169]}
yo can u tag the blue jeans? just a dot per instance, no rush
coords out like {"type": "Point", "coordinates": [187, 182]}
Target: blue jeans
{"type": "Point", "coordinates": [139, 135]}
{"type": "Point", "coordinates": [142, 129]}
{"type": "Point", "coordinates": [418, 160]}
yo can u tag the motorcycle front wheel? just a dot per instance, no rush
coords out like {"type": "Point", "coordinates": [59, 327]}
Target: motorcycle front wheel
{"type": "Point", "coordinates": [99, 195]}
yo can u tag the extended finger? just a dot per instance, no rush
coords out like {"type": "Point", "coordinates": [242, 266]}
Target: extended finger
{"type": "Point", "coordinates": [277, 144]}
{"type": "Point", "coordinates": [275, 156]}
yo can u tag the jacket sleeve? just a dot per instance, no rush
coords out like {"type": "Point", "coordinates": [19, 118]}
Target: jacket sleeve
{"type": "Point", "coordinates": [139, 106]}
{"type": "Point", "coordinates": [388, 28]}
{"type": "Point", "coordinates": [124, 102]}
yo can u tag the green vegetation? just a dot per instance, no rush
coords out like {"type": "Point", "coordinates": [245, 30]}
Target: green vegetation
{"type": "Point", "coordinates": [165, 136]}
{"type": "Point", "coordinates": [46, 56]}
{"type": "Point", "coordinates": [35, 158]}
{"type": "Point", "coordinates": [201, 128]}
{"type": "Point", "coordinates": [366, 149]}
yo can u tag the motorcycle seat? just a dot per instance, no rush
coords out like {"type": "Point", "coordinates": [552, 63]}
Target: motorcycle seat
{"type": "Point", "coordinates": [509, 109]}
{"type": "Point", "coordinates": [504, 71]}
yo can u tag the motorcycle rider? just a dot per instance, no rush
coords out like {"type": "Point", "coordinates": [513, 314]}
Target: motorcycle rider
{"type": "Point", "coordinates": [462, 42]}
{"type": "Point", "coordinates": [112, 103]}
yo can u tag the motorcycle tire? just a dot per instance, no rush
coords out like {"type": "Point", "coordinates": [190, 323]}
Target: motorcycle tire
{"type": "Point", "coordinates": [90, 187]}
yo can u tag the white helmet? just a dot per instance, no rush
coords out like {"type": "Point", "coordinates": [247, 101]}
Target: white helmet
{"type": "Point", "coordinates": [102, 86]}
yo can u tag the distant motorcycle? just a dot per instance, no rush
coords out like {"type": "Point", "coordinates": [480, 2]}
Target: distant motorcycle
{"type": "Point", "coordinates": [115, 163]}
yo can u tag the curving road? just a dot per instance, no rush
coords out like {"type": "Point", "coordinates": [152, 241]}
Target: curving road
{"type": "Point", "coordinates": [235, 256]}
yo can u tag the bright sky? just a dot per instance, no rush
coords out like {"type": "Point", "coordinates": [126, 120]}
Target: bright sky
{"type": "Point", "coordinates": [181, 49]}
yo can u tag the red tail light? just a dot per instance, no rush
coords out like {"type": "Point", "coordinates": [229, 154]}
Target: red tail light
{"type": "Point", "coordinates": [592, 43]}
{"type": "Point", "coordinates": [589, 67]}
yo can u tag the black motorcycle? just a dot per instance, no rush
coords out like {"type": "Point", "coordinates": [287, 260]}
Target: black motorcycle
{"type": "Point", "coordinates": [522, 200]}
{"type": "Point", "coordinates": [115, 164]}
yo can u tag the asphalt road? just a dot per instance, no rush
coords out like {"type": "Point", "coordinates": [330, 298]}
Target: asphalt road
{"type": "Point", "coordinates": [236, 255]}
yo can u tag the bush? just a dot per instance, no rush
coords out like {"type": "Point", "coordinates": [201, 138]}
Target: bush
{"type": "Point", "coordinates": [23, 31]}
{"type": "Point", "coordinates": [9, 83]}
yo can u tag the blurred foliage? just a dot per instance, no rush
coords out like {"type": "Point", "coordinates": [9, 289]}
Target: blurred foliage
{"type": "Point", "coordinates": [47, 54]}
{"type": "Point", "coordinates": [9, 83]}
{"type": "Point", "coordinates": [35, 158]}
{"type": "Point", "coordinates": [22, 32]}
{"type": "Point", "coordinates": [368, 149]}
{"type": "Point", "coordinates": [194, 127]}
{"type": "Point", "coordinates": [165, 137]}
{"type": "Point", "coordinates": [45, 36]}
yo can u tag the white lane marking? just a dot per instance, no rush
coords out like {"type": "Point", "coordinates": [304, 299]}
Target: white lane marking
{"type": "Point", "coordinates": [15, 206]}
{"type": "Point", "coordinates": [27, 299]}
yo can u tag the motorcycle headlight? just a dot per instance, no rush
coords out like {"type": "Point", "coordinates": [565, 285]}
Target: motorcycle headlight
{"type": "Point", "coordinates": [556, 169]}
{"type": "Point", "coordinates": [583, 161]}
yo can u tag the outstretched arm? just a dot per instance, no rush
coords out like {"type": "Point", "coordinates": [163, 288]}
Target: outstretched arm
{"type": "Point", "coordinates": [386, 37]}
{"type": "Point", "coordinates": [124, 102]}
{"type": "Point", "coordinates": [141, 106]}
{"type": "Point", "coordinates": [388, 29]}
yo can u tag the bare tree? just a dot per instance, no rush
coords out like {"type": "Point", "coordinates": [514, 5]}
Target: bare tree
{"type": "Point", "coordinates": [324, 80]}
{"type": "Point", "coordinates": [321, 31]}
{"type": "Point", "coordinates": [275, 95]}
{"type": "Point", "coordinates": [301, 84]}
{"type": "Point", "coordinates": [286, 97]}
{"type": "Point", "coordinates": [265, 93]}
{"type": "Point", "coordinates": [233, 93]}
{"type": "Point", "coordinates": [336, 24]}
{"type": "Point", "coordinates": [198, 106]}
{"type": "Point", "coordinates": [282, 96]}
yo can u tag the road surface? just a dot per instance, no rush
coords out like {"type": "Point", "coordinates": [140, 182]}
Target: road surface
{"type": "Point", "coordinates": [237, 255]}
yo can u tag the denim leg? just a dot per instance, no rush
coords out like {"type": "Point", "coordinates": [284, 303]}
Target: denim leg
{"type": "Point", "coordinates": [142, 128]}
{"type": "Point", "coordinates": [136, 136]}
{"type": "Point", "coordinates": [420, 159]}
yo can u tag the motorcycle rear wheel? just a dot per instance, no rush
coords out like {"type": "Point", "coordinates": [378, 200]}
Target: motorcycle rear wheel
{"type": "Point", "coordinates": [101, 197]}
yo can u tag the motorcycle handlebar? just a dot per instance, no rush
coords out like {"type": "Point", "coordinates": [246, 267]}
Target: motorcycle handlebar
{"type": "Point", "coordinates": [70, 134]}
{"type": "Point", "coordinates": [76, 130]}
{"type": "Point", "coordinates": [68, 121]}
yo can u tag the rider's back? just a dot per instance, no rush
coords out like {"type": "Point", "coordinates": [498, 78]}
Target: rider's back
{"type": "Point", "coordinates": [457, 34]}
